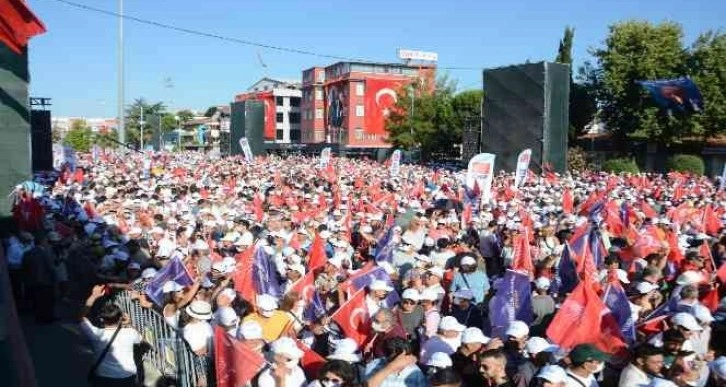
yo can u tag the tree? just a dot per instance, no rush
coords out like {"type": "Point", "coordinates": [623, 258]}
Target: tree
{"type": "Point", "coordinates": [466, 106]}
{"type": "Point", "coordinates": [633, 51]}
{"type": "Point", "coordinates": [210, 111]}
{"type": "Point", "coordinates": [79, 138]}
{"type": "Point", "coordinates": [431, 126]}
{"type": "Point", "coordinates": [133, 119]}
{"type": "Point", "coordinates": [185, 115]}
{"type": "Point", "coordinates": [707, 67]}
{"type": "Point", "coordinates": [564, 53]}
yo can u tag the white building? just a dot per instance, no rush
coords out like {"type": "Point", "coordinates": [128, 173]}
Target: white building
{"type": "Point", "coordinates": [285, 96]}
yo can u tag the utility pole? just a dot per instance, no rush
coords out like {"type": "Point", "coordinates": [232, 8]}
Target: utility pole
{"type": "Point", "coordinates": [120, 54]}
{"type": "Point", "coordinates": [141, 124]}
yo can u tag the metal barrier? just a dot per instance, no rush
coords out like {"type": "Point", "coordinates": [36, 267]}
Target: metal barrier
{"type": "Point", "coordinates": [170, 354]}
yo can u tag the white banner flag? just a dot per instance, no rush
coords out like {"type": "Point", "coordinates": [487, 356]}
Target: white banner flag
{"type": "Point", "coordinates": [395, 162]}
{"type": "Point", "coordinates": [325, 157]}
{"type": "Point", "coordinates": [481, 173]}
{"type": "Point", "coordinates": [723, 178]}
{"type": "Point", "coordinates": [522, 167]}
{"type": "Point", "coordinates": [245, 145]}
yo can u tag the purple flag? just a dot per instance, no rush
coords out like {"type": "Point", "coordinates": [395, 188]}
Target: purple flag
{"type": "Point", "coordinates": [173, 271]}
{"type": "Point", "coordinates": [265, 275]}
{"type": "Point", "coordinates": [566, 278]}
{"type": "Point", "coordinates": [377, 273]}
{"type": "Point", "coordinates": [512, 301]}
{"type": "Point", "coordinates": [617, 301]}
{"type": "Point", "coordinates": [315, 308]}
{"type": "Point", "coordinates": [384, 247]}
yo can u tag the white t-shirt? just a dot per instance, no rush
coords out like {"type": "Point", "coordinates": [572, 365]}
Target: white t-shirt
{"type": "Point", "coordinates": [119, 361]}
{"type": "Point", "coordinates": [296, 378]}
{"type": "Point", "coordinates": [198, 334]}
{"type": "Point", "coordinates": [578, 381]}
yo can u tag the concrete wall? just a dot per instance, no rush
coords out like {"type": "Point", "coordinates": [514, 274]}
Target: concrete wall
{"type": "Point", "coordinates": [15, 164]}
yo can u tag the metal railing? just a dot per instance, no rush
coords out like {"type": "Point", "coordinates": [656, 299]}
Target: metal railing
{"type": "Point", "coordinates": [169, 354]}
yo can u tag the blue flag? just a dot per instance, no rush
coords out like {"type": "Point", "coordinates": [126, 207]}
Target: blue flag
{"type": "Point", "coordinates": [265, 276]}
{"type": "Point", "coordinates": [680, 94]}
{"type": "Point", "coordinates": [173, 271]}
{"type": "Point", "coordinates": [617, 301]}
{"type": "Point", "coordinates": [377, 273]}
{"type": "Point", "coordinates": [594, 240]}
{"type": "Point", "coordinates": [566, 279]}
{"type": "Point", "coordinates": [513, 301]}
{"type": "Point", "coordinates": [665, 309]}
{"type": "Point", "coordinates": [315, 308]}
{"type": "Point", "coordinates": [384, 247]}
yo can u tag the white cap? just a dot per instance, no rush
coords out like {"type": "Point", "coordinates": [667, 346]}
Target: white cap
{"type": "Point", "coordinates": [347, 350]}
{"type": "Point", "coordinates": [542, 283]}
{"type": "Point", "coordinates": [171, 286]}
{"type": "Point", "coordinates": [380, 285]}
{"type": "Point", "coordinates": [517, 329]}
{"type": "Point", "coordinates": [686, 321]}
{"type": "Point", "coordinates": [449, 323]}
{"type": "Point", "coordinates": [336, 261]}
{"type": "Point", "coordinates": [298, 268]}
{"type": "Point", "coordinates": [439, 360]}
{"type": "Point", "coordinates": [325, 234]}
{"type": "Point", "coordinates": [552, 374]}
{"type": "Point", "coordinates": [645, 287]}
{"type": "Point", "coordinates": [148, 273]}
{"type": "Point", "coordinates": [229, 293]}
{"type": "Point", "coordinates": [411, 294]}
{"type": "Point", "coordinates": [266, 302]}
{"type": "Point", "coordinates": [287, 347]}
{"type": "Point", "coordinates": [468, 260]}
{"type": "Point", "coordinates": [251, 330]}
{"type": "Point", "coordinates": [366, 229]}
{"type": "Point", "coordinates": [157, 230]}
{"type": "Point", "coordinates": [429, 295]}
{"type": "Point", "coordinates": [718, 367]}
{"type": "Point", "coordinates": [227, 316]}
{"type": "Point", "coordinates": [535, 345]}
{"type": "Point", "coordinates": [465, 294]}
{"type": "Point", "coordinates": [474, 335]}
{"type": "Point", "coordinates": [437, 271]}
{"type": "Point", "coordinates": [689, 278]}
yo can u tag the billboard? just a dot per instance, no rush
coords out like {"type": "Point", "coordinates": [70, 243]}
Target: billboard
{"type": "Point", "coordinates": [268, 98]}
{"type": "Point", "coordinates": [417, 55]}
{"type": "Point", "coordinates": [380, 100]}
{"type": "Point", "coordinates": [336, 102]}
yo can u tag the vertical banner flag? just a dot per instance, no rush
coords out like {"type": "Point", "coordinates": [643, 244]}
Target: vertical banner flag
{"type": "Point", "coordinates": [522, 167]}
{"type": "Point", "coordinates": [395, 162]}
{"type": "Point", "coordinates": [481, 171]}
{"type": "Point", "coordinates": [324, 157]}
{"type": "Point", "coordinates": [57, 156]}
{"type": "Point", "coordinates": [69, 157]}
{"type": "Point", "coordinates": [96, 153]}
{"type": "Point", "coordinates": [723, 178]}
{"type": "Point", "coordinates": [245, 145]}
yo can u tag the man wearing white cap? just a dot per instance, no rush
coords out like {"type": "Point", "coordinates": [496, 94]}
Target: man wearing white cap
{"type": "Point", "coordinates": [447, 340]}
{"type": "Point", "coordinates": [432, 317]}
{"type": "Point", "coordinates": [285, 370]}
{"type": "Point", "coordinates": [543, 305]}
{"type": "Point", "coordinates": [465, 360]}
{"type": "Point", "coordinates": [376, 298]}
{"type": "Point", "coordinates": [198, 332]}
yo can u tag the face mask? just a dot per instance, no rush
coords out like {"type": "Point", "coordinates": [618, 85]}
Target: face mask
{"type": "Point", "coordinates": [599, 368]}
{"type": "Point", "coordinates": [292, 363]}
{"type": "Point", "coordinates": [267, 313]}
{"type": "Point", "coordinates": [329, 383]}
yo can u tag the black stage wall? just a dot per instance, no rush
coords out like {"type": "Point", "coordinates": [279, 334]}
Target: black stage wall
{"type": "Point", "coordinates": [526, 106]}
{"type": "Point", "coordinates": [248, 120]}
{"type": "Point", "coordinates": [41, 140]}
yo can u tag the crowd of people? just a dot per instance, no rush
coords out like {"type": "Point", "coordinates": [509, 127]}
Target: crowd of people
{"type": "Point", "coordinates": [390, 278]}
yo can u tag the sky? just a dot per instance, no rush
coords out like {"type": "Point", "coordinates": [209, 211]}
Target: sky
{"type": "Point", "coordinates": [75, 61]}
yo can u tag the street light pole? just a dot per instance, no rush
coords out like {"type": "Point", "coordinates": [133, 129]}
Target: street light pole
{"type": "Point", "coordinates": [120, 54]}
{"type": "Point", "coordinates": [141, 124]}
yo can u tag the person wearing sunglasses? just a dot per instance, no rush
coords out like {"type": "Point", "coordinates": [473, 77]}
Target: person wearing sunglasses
{"type": "Point", "coordinates": [335, 373]}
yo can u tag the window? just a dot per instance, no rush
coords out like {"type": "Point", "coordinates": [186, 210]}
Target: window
{"type": "Point", "coordinates": [320, 77]}
{"type": "Point", "coordinates": [295, 135]}
{"type": "Point", "coordinates": [318, 114]}
{"type": "Point", "coordinates": [318, 95]}
{"type": "Point", "coordinates": [278, 101]}
{"type": "Point", "coordinates": [359, 111]}
{"type": "Point", "coordinates": [358, 133]}
{"type": "Point", "coordinates": [295, 118]}
{"type": "Point", "coordinates": [360, 89]}
{"type": "Point", "coordinates": [294, 102]}
{"type": "Point", "coordinates": [280, 117]}
{"type": "Point", "coordinates": [280, 135]}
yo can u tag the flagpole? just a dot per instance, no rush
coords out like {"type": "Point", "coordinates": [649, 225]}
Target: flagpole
{"type": "Point", "coordinates": [120, 54]}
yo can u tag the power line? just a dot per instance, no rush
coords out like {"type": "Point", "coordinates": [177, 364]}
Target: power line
{"type": "Point", "coordinates": [232, 39]}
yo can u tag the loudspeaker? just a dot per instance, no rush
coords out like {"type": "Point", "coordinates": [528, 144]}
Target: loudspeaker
{"type": "Point", "coordinates": [527, 106]}
{"type": "Point", "coordinates": [248, 120]}
{"type": "Point", "coordinates": [41, 140]}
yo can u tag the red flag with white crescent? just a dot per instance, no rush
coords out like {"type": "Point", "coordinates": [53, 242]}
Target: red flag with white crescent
{"type": "Point", "coordinates": [243, 282]}
{"type": "Point", "coordinates": [311, 361]}
{"type": "Point", "coordinates": [317, 257]}
{"type": "Point", "coordinates": [235, 363]}
{"type": "Point", "coordinates": [353, 318]}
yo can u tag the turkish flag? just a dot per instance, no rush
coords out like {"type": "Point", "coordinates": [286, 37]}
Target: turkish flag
{"type": "Point", "coordinates": [567, 202]}
{"type": "Point", "coordinates": [244, 284]}
{"type": "Point", "coordinates": [522, 260]}
{"type": "Point", "coordinates": [711, 222]}
{"type": "Point", "coordinates": [353, 319]}
{"type": "Point", "coordinates": [311, 361]}
{"type": "Point", "coordinates": [380, 99]}
{"type": "Point", "coordinates": [18, 24]}
{"type": "Point", "coordinates": [235, 363]}
{"type": "Point", "coordinates": [647, 242]}
{"type": "Point", "coordinates": [316, 257]}
{"type": "Point", "coordinates": [305, 287]}
{"type": "Point", "coordinates": [711, 299]}
{"type": "Point", "coordinates": [259, 212]}
{"type": "Point", "coordinates": [582, 319]}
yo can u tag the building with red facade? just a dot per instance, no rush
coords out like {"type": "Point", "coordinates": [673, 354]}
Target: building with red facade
{"type": "Point", "coordinates": [346, 104]}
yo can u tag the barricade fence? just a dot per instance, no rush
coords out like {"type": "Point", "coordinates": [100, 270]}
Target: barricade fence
{"type": "Point", "coordinates": [169, 354]}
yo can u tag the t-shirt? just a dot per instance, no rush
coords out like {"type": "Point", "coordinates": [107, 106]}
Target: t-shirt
{"type": "Point", "coordinates": [411, 321]}
{"type": "Point", "coordinates": [273, 327]}
{"type": "Point", "coordinates": [119, 361]}
{"type": "Point", "coordinates": [199, 335]}
{"type": "Point", "coordinates": [542, 306]}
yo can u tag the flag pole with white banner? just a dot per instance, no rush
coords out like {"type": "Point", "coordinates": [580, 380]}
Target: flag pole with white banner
{"type": "Point", "coordinates": [395, 162]}
{"type": "Point", "coordinates": [522, 167]}
{"type": "Point", "coordinates": [481, 171]}
{"type": "Point", "coordinates": [325, 157]}
{"type": "Point", "coordinates": [723, 178]}
{"type": "Point", "coordinates": [245, 145]}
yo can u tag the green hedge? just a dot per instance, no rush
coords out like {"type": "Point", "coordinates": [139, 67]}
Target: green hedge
{"type": "Point", "coordinates": [686, 163]}
{"type": "Point", "coordinates": [620, 165]}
